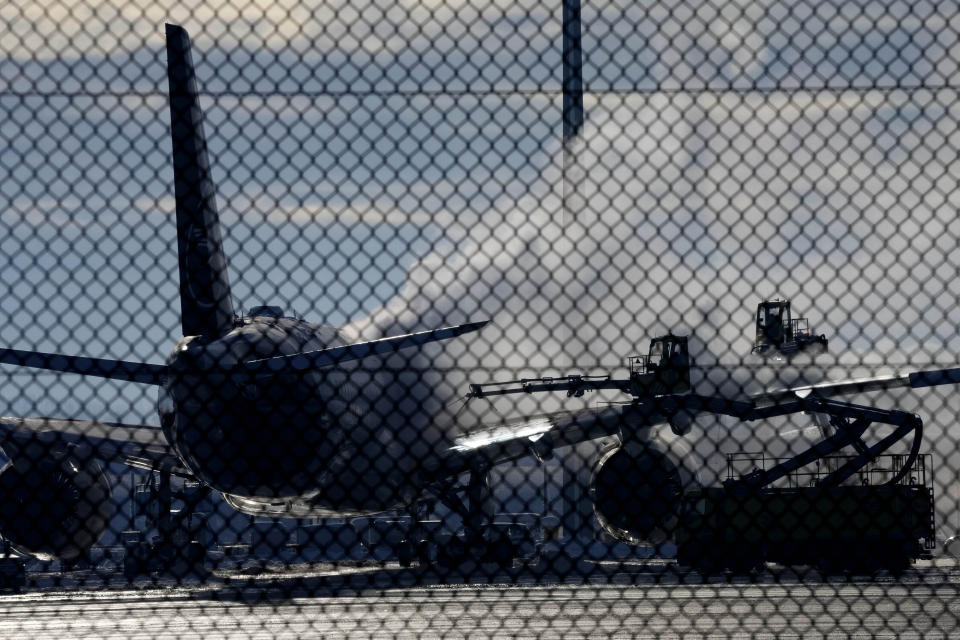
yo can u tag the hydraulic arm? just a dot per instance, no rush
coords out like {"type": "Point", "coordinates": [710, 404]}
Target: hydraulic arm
{"type": "Point", "coordinates": [660, 385]}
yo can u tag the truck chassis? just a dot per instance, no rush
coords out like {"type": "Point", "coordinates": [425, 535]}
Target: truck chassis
{"type": "Point", "coordinates": [857, 526]}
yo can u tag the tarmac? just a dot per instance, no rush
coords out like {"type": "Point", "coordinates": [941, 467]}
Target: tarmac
{"type": "Point", "coordinates": [616, 600]}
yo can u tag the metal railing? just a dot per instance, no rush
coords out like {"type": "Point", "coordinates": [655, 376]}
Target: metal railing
{"type": "Point", "coordinates": [639, 365]}
{"type": "Point", "coordinates": [881, 470]}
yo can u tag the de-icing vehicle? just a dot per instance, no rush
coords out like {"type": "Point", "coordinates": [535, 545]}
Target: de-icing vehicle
{"type": "Point", "coordinates": [837, 517]}
{"type": "Point", "coordinates": [287, 418]}
{"type": "Point", "coordinates": [780, 334]}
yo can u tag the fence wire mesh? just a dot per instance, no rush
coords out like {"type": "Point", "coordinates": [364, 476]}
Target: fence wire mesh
{"type": "Point", "coordinates": [501, 318]}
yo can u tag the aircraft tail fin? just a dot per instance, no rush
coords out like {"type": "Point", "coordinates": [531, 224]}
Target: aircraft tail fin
{"type": "Point", "coordinates": [206, 306]}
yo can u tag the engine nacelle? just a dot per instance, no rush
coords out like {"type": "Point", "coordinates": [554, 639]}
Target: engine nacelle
{"type": "Point", "coordinates": [637, 490]}
{"type": "Point", "coordinates": [56, 507]}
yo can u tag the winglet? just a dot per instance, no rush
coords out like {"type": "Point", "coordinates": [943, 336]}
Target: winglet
{"type": "Point", "coordinates": [205, 304]}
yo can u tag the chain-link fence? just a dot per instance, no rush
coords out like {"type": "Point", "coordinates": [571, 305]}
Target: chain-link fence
{"type": "Point", "coordinates": [645, 313]}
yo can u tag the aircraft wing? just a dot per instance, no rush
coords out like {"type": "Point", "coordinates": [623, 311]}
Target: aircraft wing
{"type": "Point", "coordinates": [536, 435]}
{"type": "Point", "coordinates": [140, 446]}
{"type": "Point", "coordinates": [915, 380]}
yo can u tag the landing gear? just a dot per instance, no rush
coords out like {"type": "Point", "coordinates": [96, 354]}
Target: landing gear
{"type": "Point", "coordinates": [175, 550]}
{"type": "Point", "coordinates": [412, 549]}
{"type": "Point", "coordinates": [146, 558]}
{"type": "Point", "coordinates": [480, 544]}
{"type": "Point", "coordinates": [468, 551]}
{"type": "Point", "coordinates": [406, 553]}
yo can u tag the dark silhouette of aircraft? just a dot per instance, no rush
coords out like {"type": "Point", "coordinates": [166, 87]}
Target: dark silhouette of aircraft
{"type": "Point", "coordinates": [288, 418]}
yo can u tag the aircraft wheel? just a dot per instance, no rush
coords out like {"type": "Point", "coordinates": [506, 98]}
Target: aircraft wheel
{"type": "Point", "coordinates": [405, 553]}
{"type": "Point", "coordinates": [13, 575]}
{"type": "Point", "coordinates": [132, 567]}
{"type": "Point", "coordinates": [500, 552]}
{"type": "Point", "coordinates": [742, 559]}
{"type": "Point", "coordinates": [426, 552]}
{"type": "Point", "coordinates": [196, 552]}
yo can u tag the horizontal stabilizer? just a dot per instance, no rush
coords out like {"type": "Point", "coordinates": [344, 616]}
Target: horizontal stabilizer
{"type": "Point", "coordinates": [334, 355]}
{"type": "Point", "coordinates": [113, 369]}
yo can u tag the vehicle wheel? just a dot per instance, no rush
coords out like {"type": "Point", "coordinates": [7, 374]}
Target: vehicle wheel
{"type": "Point", "coordinates": [895, 558]}
{"type": "Point", "coordinates": [898, 566]}
{"type": "Point", "coordinates": [702, 557]}
{"type": "Point", "coordinates": [831, 563]}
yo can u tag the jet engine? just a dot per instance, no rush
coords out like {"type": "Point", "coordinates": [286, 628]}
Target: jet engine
{"type": "Point", "coordinates": [56, 507]}
{"type": "Point", "coordinates": [637, 490]}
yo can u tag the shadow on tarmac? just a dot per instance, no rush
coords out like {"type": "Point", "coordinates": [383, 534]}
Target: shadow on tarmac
{"type": "Point", "coordinates": [365, 581]}
{"type": "Point", "coordinates": [278, 583]}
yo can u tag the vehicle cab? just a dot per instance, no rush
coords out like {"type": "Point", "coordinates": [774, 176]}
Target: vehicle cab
{"type": "Point", "coordinates": [665, 369]}
{"type": "Point", "coordinates": [778, 333]}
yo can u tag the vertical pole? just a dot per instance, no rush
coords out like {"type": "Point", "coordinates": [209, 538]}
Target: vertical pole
{"type": "Point", "coordinates": [578, 510]}
{"type": "Point", "coordinates": [164, 504]}
{"type": "Point", "coordinates": [133, 499]}
{"type": "Point", "coordinates": [572, 111]}
{"type": "Point", "coordinates": [572, 70]}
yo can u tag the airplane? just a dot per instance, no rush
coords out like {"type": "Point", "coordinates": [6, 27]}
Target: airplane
{"type": "Point", "coordinates": [288, 418]}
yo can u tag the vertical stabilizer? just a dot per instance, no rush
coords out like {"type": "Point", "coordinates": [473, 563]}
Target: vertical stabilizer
{"type": "Point", "coordinates": [205, 302]}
